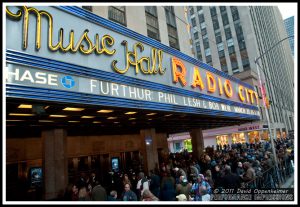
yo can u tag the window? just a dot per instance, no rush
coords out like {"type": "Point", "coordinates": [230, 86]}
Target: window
{"type": "Point", "coordinates": [173, 38]}
{"type": "Point", "coordinates": [193, 22]}
{"type": "Point", "coordinates": [240, 37]}
{"type": "Point", "coordinates": [235, 71]}
{"type": "Point", "coordinates": [199, 56]}
{"type": "Point", "coordinates": [223, 64]}
{"type": "Point", "coordinates": [221, 53]}
{"type": "Point", "coordinates": [218, 37]}
{"type": "Point", "coordinates": [238, 28]}
{"type": "Point", "coordinates": [192, 10]}
{"type": "Point", "coordinates": [152, 22]}
{"type": "Point", "coordinates": [213, 11]}
{"type": "Point", "coordinates": [224, 68]}
{"type": "Point", "coordinates": [198, 49]}
{"type": "Point", "coordinates": [199, 8]}
{"type": "Point", "coordinates": [208, 59]}
{"type": "Point", "coordinates": [225, 19]}
{"type": "Point", "coordinates": [228, 33]}
{"type": "Point", "coordinates": [245, 60]}
{"type": "Point", "coordinates": [89, 8]}
{"type": "Point", "coordinates": [234, 64]}
{"type": "Point", "coordinates": [203, 25]}
{"type": "Point", "coordinates": [207, 52]}
{"type": "Point", "coordinates": [172, 29]}
{"type": "Point", "coordinates": [201, 18]}
{"type": "Point", "coordinates": [151, 10]}
{"type": "Point", "coordinates": [246, 64]}
{"type": "Point", "coordinates": [220, 46]}
{"type": "Point", "coordinates": [222, 8]}
{"type": "Point", "coordinates": [203, 32]}
{"type": "Point", "coordinates": [242, 44]}
{"type": "Point", "coordinates": [170, 16]}
{"type": "Point", "coordinates": [196, 36]}
{"type": "Point", "coordinates": [205, 43]}
{"type": "Point", "coordinates": [235, 13]}
{"type": "Point", "coordinates": [215, 22]}
{"type": "Point", "coordinates": [230, 42]}
{"type": "Point", "coordinates": [231, 49]}
{"type": "Point", "coordinates": [117, 14]}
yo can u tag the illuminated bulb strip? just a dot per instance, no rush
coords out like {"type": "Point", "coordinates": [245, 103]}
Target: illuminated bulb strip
{"type": "Point", "coordinates": [46, 121]}
{"type": "Point", "coordinates": [105, 111]}
{"type": "Point", "coordinates": [88, 117]}
{"type": "Point", "coordinates": [73, 109]}
{"type": "Point", "coordinates": [25, 106]}
{"type": "Point", "coordinates": [16, 114]}
{"type": "Point", "coordinates": [15, 120]}
{"type": "Point", "coordinates": [131, 112]}
{"type": "Point", "coordinates": [112, 117]}
{"type": "Point", "coordinates": [55, 115]}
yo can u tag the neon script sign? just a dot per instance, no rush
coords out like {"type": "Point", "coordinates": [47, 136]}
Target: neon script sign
{"type": "Point", "coordinates": [86, 46]}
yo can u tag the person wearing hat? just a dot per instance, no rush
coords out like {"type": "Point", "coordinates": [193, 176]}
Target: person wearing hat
{"type": "Point", "coordinates": [181, 197]}
{"type": "Point", "coordinates": [183, 187]}
{"type": "Point", "coordinates": [194, 171]}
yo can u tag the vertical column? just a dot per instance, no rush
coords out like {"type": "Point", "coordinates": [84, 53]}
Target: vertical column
{"type": "Point", "coordinates": [229, 139]}
{"type": "Point", "coordinates": [149, 146]}
{"type": "Point", "coordinates": [55, 163]}
{"type": "Point", "coordinates": [280, 132]}
{"type": "Point", "coordinates": [275, 133]}
{"type": "Point", "coordinates": [197, 143]}
{"type": "Point", "coordinates": [246, 137]}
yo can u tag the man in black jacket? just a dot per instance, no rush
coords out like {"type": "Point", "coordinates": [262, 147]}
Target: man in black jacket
{"type": "Point", "coordinates": [231, 180]}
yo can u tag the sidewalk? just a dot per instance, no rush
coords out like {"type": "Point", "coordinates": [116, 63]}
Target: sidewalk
{"type": "Point", "coordinates": [289, 183]}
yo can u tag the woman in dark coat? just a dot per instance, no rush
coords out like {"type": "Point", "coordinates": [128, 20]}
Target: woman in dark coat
{"type": "Point", "coordinates": [167, 189]}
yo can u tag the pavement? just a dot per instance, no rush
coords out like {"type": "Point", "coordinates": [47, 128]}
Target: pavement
{"type": "Point", "coordinates": [289, 183]}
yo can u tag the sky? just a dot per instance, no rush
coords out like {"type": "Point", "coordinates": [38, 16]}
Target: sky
{"type": "Point", "coordinates": [287, 9]}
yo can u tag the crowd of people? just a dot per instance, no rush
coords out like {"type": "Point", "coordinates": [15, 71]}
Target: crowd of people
{"type": "Point", "coordinates": [183, 178]}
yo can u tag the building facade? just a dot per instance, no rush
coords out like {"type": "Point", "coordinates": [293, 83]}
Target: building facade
{"type": "Point", "coordinates": [277, 65]}
{"type": "Point", "coordinates": [166, 24]}
{"type": "Point", "coordinates": [230, 38]}
{"type": "Point", "coordinates": [289, 26]}
{"type": "Point", "coordinates": [86, 90]}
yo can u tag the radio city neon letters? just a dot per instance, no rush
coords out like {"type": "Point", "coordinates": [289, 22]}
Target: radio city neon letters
{"type": "Point", "coordinates": [179, 72]}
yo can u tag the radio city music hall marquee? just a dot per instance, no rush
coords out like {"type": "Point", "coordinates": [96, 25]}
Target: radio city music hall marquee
{"type": "Point", "coordinates": [102, 49]}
